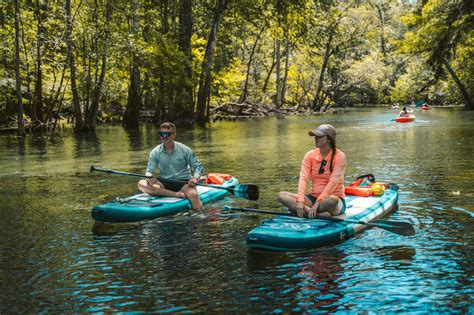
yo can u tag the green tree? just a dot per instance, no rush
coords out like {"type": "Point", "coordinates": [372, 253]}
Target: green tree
{"type": "Point", "coordinates": [206, 69]}
{"type": "Point", "coordinates": [442, 28]}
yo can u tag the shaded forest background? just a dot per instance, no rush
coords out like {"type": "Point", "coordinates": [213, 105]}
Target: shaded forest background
{"type": "Point", "coordinates": [94, 61]}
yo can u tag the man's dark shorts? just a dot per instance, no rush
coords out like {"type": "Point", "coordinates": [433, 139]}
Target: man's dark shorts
{"type": "Point", "coordinates": [173, 185]}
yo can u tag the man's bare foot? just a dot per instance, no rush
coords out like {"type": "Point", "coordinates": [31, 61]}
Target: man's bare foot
{"type": "Point", "coordinates": [180, 195]}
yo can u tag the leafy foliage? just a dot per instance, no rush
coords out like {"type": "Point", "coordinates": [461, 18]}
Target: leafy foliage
{"type": "Point", "coordinates": [339, 53]}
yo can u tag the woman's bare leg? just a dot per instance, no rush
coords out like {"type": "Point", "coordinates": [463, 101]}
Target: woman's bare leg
{"type": "Point", "coordinates": [288, 199]}
{"type": "Point", "coordinates": [331, 206]}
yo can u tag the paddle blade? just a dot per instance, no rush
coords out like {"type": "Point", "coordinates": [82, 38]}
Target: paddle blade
{"type": "Point", "coordinates": [419, 103]}
{"type": "Point", "coordinates": [250, 192]}
{"type": "Point", "coordinates": [397, 227]}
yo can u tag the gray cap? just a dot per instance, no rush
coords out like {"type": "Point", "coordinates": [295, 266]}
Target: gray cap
{"type": "Point", "coordinates": [324, 130]}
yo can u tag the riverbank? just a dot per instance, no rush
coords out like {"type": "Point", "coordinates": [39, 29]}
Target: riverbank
{"type": "Point", "coordinates": [230, 111]}
{"type": "Point", "coordinates": [233, 111]}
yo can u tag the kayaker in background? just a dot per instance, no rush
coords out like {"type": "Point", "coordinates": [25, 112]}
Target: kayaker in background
{"type": "Point", "coordinates": [405, 113]}
{"type": "Point", "coordinates": [175, 162]}
{"type": "Point", "coordinates": [325, 166]}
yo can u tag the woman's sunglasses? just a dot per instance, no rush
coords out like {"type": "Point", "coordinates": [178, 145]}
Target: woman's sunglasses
{"type": "Point", "coordinates": [323, 165]}
{"type": "Point", "coordinates": [166, 133]}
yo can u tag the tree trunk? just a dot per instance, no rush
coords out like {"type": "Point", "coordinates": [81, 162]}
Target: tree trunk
{"type": "Point", "coordinates": [467, 99]}
{"type": "Point", "coordinates": [38, 99]}
{"type": "Point", "coordinates": [317, 97]}
{"type": "Point", "coordinates": [26, 63]}
{"type": "Point", "coordinates": [205, 79]}
{"type": "Point", "coordinates": [278, 77]}
{"type": "Point", "coordinates": [21, 125]}
{"type": "Point", "coordinates": [91, 120]}
{"type": "Point", "coordinates": [267, 79]}
{"type": "Point", "coordinates": [184, 104]}
{"type": "Point", "coordinates": [173, 17]}
{"type": "Point", "coordinates": [164, 16]}
{"type": "Point", "coordinates": [162, 101]}
{"type": "Point", "coordinates": [78, 123]}
{"type": "Point", "coordinates": [285, 77]}
{"type": "Point", "coordinates": [243, 98]}
{"type": "Point", "coordinates": [381, 13]}
{"type": "Point", "coordinates": [54, 97]}
{"type": "Point", "coordinates": [132, 113]}
{"type": "Point", "coordinates": [87, 53]}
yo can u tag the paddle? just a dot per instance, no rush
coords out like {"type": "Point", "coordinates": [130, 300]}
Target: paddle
{"type": "Point", "coordinates": [397, 227]}
{"type": "Point", "coordinates": [419, 103]}
{"type": "Point", "coordinates": [250, 192]}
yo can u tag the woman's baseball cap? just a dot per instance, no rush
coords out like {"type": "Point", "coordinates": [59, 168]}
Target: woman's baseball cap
{"type": "Point", "coordinates": [324, 130]}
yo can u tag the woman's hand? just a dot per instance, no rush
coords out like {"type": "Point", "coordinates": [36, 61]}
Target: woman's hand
{"type": "Point", "coordinates": [300, 209]}
{"type": "Point", "coordinates": [314, 210]}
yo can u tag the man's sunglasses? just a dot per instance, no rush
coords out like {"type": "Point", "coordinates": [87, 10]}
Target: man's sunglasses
{"type": "Point", "coordinates": [166, 133]}
{"type": "Point", "coordinates": [323, 165]}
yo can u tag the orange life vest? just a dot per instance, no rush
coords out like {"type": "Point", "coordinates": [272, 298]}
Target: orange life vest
{"type": "Point", "coordinates": [216, 178]}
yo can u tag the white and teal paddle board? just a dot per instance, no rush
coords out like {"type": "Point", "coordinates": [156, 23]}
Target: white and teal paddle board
{"type": "Point", "coordinates": [285, 233]}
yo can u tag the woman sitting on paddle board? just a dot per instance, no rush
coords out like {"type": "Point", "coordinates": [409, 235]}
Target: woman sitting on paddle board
{"type": "Point", "coordinates": [174, 160]}
{"type": "Point", "coordinates": [325, 166]}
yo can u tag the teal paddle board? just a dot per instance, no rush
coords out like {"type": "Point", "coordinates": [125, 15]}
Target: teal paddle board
{"type": "Point", "coordinates": [285, 233]}
{"type": "Point", "coordinates": [145, 207]}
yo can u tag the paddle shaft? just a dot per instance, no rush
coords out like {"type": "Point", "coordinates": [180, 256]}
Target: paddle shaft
{"type": "Point", "coordinates": [397, 227]}
{"type": "Point", "coordinates": [99, 169]}
{"type": "Point", "coordinates": [104, 170]}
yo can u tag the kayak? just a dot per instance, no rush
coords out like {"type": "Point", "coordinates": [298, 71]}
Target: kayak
{"type": "Point", "coordinates": [145, 207]}
{"type": "Point", "coordinates": [425, 108]}
{"type": "Point", "coordinates": [405, 119]}
{"type": "Point", "coordinates": [285, 233]}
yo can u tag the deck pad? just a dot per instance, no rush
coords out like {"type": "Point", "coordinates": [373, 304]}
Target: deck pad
{"type": "Point", "coordinates": [157, 199]}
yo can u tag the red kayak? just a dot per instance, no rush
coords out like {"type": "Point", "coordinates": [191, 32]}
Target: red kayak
{"type": "Point", "coordinates": [405, 119]}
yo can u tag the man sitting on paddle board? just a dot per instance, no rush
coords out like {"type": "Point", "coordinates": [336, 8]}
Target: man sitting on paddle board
{"type": "Point", "coordinates": [175, 161]}
{"type": "Point", "coordinates": [325, 165]}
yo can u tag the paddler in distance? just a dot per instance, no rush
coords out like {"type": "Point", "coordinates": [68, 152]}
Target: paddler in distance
{"type": "Point", "coordinates": [405, 112]}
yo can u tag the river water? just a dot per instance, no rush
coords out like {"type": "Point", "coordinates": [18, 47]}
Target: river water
{"type": "Point", "coordinates": [54, 258]}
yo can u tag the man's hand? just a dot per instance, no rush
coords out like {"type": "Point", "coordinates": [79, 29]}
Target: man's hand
{"type": "Point", "coordinates": [192, 182]}
{"type": "Point", "coordinates": [153, 182]}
